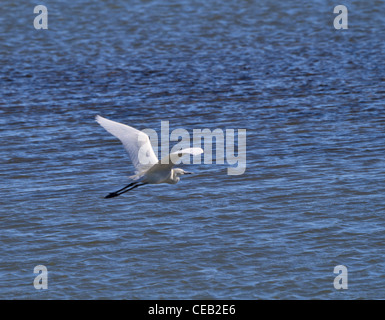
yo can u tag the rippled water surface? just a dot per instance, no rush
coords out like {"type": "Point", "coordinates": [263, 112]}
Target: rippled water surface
{"type": "Point", "coordinates": [312, 197]}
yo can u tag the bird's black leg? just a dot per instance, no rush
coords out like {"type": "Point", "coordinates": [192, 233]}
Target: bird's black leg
{"type": "Point", "coordinates": [124, 189]}
{"type": "Point", "coordinates": [116, 193]}
{"type": "Point", "coordinates": [133, 187]}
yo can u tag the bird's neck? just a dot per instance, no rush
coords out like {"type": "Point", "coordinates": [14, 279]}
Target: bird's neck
{"type": "Point", "coordinates": [174, 176]}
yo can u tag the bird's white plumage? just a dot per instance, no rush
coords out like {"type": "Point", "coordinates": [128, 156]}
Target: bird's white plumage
{"type": "Point", "coordinates": [174, 156]}
{"type": "Point", "coordinates": [136, 143]}
{"type": "Point", "coordinates": [148, 168]}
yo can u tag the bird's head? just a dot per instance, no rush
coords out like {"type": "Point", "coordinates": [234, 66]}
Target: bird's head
{"type": "Point", "coordinates": [178, 172]}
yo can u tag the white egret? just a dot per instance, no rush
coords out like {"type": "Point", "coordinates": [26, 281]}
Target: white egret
{"type": "Point", "coordinates": [149, 170]}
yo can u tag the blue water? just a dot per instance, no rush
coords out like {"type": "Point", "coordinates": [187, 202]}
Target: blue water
{"type": "Point", "coordinates": [310, 97]}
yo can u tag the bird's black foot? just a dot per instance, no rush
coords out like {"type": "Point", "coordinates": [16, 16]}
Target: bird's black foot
{"type": "Point", "coordinates": [111, 195]}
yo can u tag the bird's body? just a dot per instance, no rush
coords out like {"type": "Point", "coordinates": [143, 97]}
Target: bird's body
{"type": "Point", "coordinates": [160, 174]}
{"type": "Point", "coordinates": [149, 170]}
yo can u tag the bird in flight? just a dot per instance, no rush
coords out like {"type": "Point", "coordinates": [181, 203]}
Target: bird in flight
{"type": "Point", "coordinates": [149, 170]}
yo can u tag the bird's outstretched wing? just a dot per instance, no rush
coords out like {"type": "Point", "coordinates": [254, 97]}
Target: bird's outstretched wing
{"type": "Point", "coordinates": [174, 156]}
{"type": "Point", "coordinates": [136, 143]}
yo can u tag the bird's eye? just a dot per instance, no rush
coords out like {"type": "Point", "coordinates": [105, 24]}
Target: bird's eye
{"type": "Point", "coordinates": [179, 155]}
